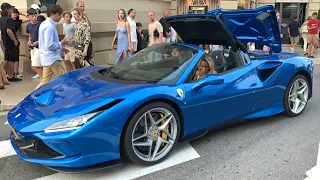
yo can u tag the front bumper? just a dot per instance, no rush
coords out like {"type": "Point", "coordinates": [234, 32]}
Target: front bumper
{"type": "Point", "coordinates": [96, 142]}
{"type": "Point", "coordinates": [36, 151]}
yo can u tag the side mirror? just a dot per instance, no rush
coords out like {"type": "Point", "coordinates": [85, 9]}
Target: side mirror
{"type": "Point", "coordinates": [210, 79]}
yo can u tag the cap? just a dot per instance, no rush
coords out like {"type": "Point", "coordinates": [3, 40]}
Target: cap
{"type": "Point", "coordinates": [31, 11]}
{"type": "Point", "coordinates": [15, 10]}
{"type": "Point", "coordinates": [5, 6]}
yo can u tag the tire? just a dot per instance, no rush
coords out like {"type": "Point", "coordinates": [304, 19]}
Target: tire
{"type": "Point", "coordinates": [134, 129]}
{"type": "Point", "coordinates": [290, 97]}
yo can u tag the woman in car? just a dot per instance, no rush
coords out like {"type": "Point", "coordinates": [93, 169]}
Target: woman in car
{"type": "Point", "coordinates": [205, 66]}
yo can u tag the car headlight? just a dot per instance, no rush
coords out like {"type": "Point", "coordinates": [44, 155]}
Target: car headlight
{"type": "Point", "coordinates": [70, 124]}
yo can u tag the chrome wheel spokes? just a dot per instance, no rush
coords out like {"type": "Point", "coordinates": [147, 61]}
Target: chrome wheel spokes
{"type": "Point", "coordinates": [154, 134]}
{"type": "Point", "coordinates": [298, 95]}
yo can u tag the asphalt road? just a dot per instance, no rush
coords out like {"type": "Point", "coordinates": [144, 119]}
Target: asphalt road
{"type": "Point", "coordinates": [275, 148]}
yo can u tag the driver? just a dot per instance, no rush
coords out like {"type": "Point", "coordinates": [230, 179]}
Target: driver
{"type": "Point", "coordinates": [205, 66]}
{"type": "Point", "coordinates": [175, 52]}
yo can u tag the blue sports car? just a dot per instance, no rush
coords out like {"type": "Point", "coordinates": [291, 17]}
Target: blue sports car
{"type": "Point", "coordinates": [167, 93]}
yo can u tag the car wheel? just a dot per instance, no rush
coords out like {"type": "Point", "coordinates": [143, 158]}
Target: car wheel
{"type": "Point", "coordinates": [151, 134]}
{"type": "Point", "coordinates": [297, 96]}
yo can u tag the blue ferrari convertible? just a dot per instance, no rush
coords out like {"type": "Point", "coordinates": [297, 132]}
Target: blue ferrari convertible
{"type": "Point", "coordinates": [142, 107]}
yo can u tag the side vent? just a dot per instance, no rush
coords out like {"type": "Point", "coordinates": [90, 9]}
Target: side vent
{"type": "Point", "coordinates": [267, 69]}
{"type": "Point", "coordinates": [107, 106]}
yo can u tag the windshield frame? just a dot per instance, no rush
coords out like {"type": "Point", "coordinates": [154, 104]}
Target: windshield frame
{"type": "Point", "coordinates": [112, 72]}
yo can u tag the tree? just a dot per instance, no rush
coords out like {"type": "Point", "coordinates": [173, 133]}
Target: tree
{"type": "Point", "coordinates": [318, 15]}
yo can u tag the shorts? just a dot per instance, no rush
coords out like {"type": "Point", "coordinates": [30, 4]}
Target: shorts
{"type": "Point", "coordinates": [71, 55]}
{"type": "Point", "coordinates": [35, 57]}
{"type": "Point", "coordinates": [11, 55]}
{"type": "Point", "coordinates": [134, 46]}
{"type": "Point", "coordinates": [313, 38]}
{"type": "Point", "coordinates": [294, 39]}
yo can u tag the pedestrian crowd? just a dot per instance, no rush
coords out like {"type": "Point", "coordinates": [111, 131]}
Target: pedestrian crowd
{"type": "Point", "coordinates": [45, 46]}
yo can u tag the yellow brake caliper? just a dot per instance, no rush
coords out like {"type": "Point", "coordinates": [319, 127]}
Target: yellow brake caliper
{"type": "Point", "coordinates": [163, 135]}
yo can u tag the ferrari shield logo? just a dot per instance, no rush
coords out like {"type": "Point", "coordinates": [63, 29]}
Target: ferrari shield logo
{"type": "Point", "coordinates": [180, 92]}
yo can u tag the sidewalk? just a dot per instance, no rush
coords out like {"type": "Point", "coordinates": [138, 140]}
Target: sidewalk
{"type": "Point", "coordinates": [16, 91]}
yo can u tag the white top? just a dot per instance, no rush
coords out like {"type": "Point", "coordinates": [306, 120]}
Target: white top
{"type": "Point", "coordinates": [133, 29]}
{"type": "Point", "coordinates": [173, 34]}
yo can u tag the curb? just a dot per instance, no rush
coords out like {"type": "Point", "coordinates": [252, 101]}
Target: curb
{"type": "Point", "coordinates": [5, 107]}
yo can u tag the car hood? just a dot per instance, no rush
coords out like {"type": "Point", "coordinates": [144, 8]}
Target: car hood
{"type": "Point", "coordinates": [75, 94]}
{"type": "Point", "coordinates": [258, 25]}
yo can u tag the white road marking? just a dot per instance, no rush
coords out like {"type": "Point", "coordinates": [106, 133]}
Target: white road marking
{"type": "Point", "coordinates": [6, 123]}
{"type": "Point", "coordinates": [183, 152]}
{"type": "Point", "coordinates": [6, 149]}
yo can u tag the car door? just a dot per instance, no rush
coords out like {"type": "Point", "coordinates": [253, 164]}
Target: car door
{"type": "Point", "coordinates": [215, 105]}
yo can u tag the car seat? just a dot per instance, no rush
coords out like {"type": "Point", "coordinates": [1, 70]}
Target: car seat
{"type": "Point", "coordinates": [219, 61]}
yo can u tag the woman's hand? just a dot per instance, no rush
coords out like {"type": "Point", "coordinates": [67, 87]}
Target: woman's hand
{"type": "Point", "coordinates": [130, 49]}
{"type": "Point", "coordinates": [84, 53]}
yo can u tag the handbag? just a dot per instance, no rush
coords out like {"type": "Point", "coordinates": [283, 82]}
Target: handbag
{"type": "Point", "coordinates": [156, 33]}
{"type": "Point", "coordinates": [78, 46]}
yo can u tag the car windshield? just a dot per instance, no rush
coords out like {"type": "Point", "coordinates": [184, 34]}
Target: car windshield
{"type": "Point", "coordinates": [160, 63]}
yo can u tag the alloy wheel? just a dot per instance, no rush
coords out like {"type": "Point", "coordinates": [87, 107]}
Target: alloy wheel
{"type": "Point", "coordinates": [298, 96]}
{"type": "Point", "coordinates": [154, 134]}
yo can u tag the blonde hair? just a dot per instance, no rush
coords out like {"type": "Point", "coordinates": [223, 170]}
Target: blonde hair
{"type": "Point", "coordinates": [125, 15]}
{"type": "Point", "coordinates": [208, 59]}
{"type": "Point", "coordinates": [80, 13]}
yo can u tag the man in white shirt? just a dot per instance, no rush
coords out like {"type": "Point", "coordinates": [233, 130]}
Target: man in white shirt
{"type": "Point", "coordinates": [50, 47]}
{"type": "Point", "coordinates": [133, 29]}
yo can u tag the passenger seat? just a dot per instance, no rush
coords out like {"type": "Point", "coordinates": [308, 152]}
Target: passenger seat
{"type": "Point", "coordinates": [219, 61]}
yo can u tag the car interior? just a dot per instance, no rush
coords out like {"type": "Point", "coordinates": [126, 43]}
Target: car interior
{"type": "Point", "coordinates": [225, 60]}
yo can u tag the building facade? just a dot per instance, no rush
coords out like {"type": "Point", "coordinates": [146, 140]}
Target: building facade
{"type": "Point", "coordinates": [103, 15]}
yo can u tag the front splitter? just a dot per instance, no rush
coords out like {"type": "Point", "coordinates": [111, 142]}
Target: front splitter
{"type": "Point", "coordinates": [95, 167]}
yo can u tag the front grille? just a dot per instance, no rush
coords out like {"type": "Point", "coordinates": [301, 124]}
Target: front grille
{"type": "Point", "coordinates": [41, 147]}
{"type": "Point", "coordinates": [34, 148]}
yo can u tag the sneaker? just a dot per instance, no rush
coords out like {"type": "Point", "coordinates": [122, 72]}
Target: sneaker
{"type": "Point", "coordinates": [35, 77]}
{"type": "Point", "coordinates": [14, 79]}
{"type": "Point", "coordinates": [19, 75]}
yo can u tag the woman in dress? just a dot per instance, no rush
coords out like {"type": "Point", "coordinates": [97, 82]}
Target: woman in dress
{"type": "Point", "coordinates": [124, 37]}
{"type": "Point", "coordinates": [82, 40]}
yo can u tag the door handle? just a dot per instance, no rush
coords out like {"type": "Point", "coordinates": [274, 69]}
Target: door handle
{"type": "Point", "coordinates": [253, 84]}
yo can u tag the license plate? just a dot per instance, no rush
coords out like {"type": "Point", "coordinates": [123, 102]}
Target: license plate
{"type": "Point", "coordinates": [14, 132]}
